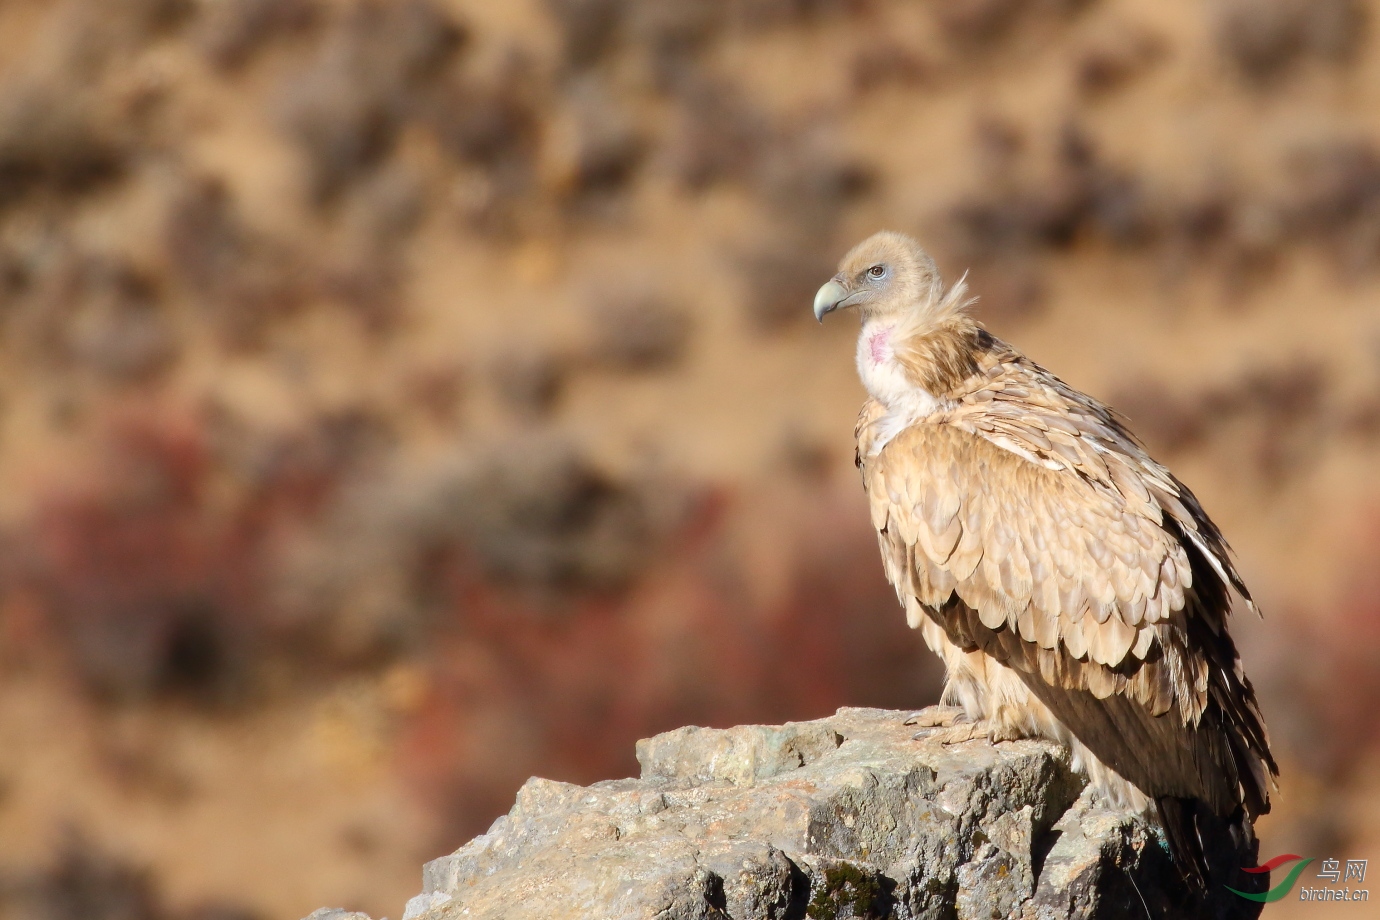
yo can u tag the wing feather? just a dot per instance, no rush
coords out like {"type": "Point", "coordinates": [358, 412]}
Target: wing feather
{"type": "Point", "coordinates": [1085, 580]}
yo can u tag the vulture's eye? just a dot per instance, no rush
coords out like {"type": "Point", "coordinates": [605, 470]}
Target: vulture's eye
{"type": "Point", "coordinates": [877, 271]}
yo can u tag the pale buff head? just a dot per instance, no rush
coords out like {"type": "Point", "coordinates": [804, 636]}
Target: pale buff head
{"type": "Point", "coordinates": [888, 274]}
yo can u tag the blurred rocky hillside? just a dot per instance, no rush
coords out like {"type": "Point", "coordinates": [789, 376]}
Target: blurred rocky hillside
{"type": "Point", "coordinates": [399, 398]}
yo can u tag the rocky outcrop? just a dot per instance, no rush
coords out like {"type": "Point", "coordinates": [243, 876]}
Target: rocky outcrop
{"type": "Point", "coordinates": [842, 817]}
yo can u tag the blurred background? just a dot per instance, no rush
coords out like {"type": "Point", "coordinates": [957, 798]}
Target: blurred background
{"type": "Point", "coordinates": [399, 399]}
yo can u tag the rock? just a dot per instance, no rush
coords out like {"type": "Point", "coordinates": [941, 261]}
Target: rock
{"type": "Point", "coordinates": [844, 817]}
{"type": "Point", "coordinates": [422, 903]}
{"type": "Point", "coordinates": [741, 755]}
{"type": "Point", "coordinates": [335, 913]}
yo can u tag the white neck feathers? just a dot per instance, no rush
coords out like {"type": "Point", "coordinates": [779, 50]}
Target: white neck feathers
{"type": "Point", "coordinates": [887, 381]}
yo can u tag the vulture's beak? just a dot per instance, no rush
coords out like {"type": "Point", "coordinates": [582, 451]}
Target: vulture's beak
{"type": "Point", "coordinates": [828, 299]}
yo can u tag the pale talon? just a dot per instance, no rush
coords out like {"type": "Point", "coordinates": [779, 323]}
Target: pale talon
{"type": "Point", "coordinates": [1000, 735]}
{"type": "Point", "coordinates": [934, 716]}
{"type": "Point", "coordinates": [963, 731]}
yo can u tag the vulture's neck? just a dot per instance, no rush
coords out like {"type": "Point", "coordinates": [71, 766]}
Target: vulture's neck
{"type": "Point", "coordinates": [913, 369]}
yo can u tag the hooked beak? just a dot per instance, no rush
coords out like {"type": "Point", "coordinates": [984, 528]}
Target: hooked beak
{"type": "Point", "coordinates": [829, 298]}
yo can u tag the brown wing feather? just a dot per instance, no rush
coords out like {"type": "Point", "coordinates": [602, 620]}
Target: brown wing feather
{"type": "Point", "coordinates": [1028, 523]}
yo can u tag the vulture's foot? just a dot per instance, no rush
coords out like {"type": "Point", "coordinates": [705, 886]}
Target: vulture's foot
{"type": "Point", "coordinates": [962, 731]}
{"type": "Point", "coordinates": [936, 716]}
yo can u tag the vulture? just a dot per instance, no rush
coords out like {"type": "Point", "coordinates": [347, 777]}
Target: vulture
{"type": "Point", "coordinates": [1073, 587]}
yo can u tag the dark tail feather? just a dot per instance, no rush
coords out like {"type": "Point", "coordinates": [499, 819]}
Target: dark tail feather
{"type": "Point", "coordinates": [1178, 817]}
{"type": "Point", "coordinates": [1205, 846]}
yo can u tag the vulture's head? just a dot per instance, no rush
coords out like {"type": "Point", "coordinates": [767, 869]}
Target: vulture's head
{"type": "Point", "coordinates": [886, 274]}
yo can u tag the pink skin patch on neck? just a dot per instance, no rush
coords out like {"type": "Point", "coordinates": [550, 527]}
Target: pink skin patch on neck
{"type": "Point", "coordinates": [877, 343]}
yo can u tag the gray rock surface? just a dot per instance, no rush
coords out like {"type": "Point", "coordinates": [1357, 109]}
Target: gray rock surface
{"type": "Point", "coordinates": [335, 913]}
{"type": "Point", "coordinates": [837, 818]}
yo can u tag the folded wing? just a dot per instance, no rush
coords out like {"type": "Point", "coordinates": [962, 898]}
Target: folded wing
{"type": "Point", "coordinates": [1101, 588]}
